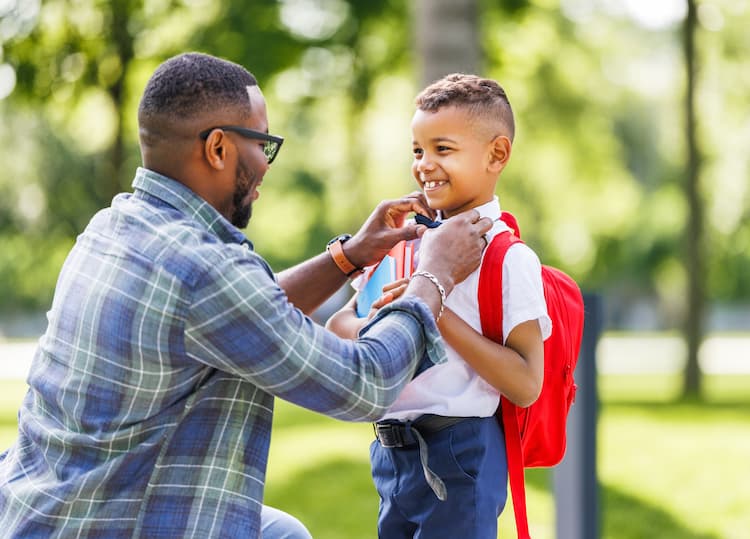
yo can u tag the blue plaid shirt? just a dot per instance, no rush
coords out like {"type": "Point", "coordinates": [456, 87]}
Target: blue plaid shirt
{"type": "Point", "coordinates": [151, 393]}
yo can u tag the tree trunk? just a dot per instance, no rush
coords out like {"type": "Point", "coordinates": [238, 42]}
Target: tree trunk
{"type": "Point", "coordinates": [695, 244]}
{"type": "Point", "coordinates": [123, 43]}
{"type": "Point", "coordinates": [447, 38]}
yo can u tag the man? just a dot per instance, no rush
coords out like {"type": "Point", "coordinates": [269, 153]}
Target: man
{"type": "Point", "coordinates": [151, 393]}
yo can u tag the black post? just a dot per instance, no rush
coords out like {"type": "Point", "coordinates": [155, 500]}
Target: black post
{"type": "Point", "coordinates": [575, 479]}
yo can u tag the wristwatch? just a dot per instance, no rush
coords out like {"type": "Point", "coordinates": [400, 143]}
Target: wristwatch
{"type": "Point", "coordinates": [336, 250]}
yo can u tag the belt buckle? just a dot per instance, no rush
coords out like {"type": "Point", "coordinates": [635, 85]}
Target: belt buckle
{"type": "Point", "coordinates": [390, 434]}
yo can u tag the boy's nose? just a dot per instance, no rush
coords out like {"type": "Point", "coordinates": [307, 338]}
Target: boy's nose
{"type": "Point", "coordinates": [425, 164]}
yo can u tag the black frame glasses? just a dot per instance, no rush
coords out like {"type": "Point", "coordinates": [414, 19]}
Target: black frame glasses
{"type": "Point", "coordinates": [271, 146]}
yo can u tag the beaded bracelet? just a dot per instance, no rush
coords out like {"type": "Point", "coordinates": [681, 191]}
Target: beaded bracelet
{"type": "Point", "coordinates": [441, 290]}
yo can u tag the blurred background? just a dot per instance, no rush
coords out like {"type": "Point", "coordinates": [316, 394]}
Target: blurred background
{"type": "Point", "coordinates": [629, 171]}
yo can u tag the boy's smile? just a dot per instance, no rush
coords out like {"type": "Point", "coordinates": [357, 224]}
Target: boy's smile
{"type": "Point", "coordinates": [431, 185]}
{"type": "Point", "coordinates": [455, 161]}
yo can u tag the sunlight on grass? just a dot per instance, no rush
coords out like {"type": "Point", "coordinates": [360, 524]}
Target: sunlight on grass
{"type": "Point", "coordinates": [11, 395]}
{"type": "Point", "coordinates": [677, 461]}
{"type": "Point", "coordinates": [321, 444]}
{"type": "Point", "coordinates": [540, 505]}
{"type": "Point", "coordinates": [666, 387]}
{"type": "Point", "coordinates": [639, 387]}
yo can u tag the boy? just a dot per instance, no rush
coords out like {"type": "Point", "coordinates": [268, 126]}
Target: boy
{"type": "Point", "coordinates": [440, 440]}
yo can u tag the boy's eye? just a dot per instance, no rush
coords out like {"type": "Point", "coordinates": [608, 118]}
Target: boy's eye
{"type": "Point", "coordinates": [418, 152]}
{"type": "Point", "coordinates": [443, 148]}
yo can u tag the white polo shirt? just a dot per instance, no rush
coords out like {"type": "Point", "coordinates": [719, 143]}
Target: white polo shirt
{"type": "Point", "coordinates": [453, 388]}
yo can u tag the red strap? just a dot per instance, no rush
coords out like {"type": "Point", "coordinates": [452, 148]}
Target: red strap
{"type": "Point", "coordinates": [510, 220]}
{"type": "Point", "coordinates": [491, 286]}
{"type": "Point", "coordinates": [491, 314]}
{"type": "Point", "coordinates": [515, 466]}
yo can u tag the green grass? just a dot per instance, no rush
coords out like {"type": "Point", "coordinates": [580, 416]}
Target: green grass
{"type": "Point", "coordinates": [11, 394]}
{"type": "Point", "coordinates": [667, 469]}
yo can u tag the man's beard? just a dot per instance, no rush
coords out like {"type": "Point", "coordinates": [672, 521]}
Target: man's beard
{"type": "Point", "coordinates": [242, 185]}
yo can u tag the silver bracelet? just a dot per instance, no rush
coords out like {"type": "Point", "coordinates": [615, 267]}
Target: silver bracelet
{"type": "Point", "coordinates": [434, 280]}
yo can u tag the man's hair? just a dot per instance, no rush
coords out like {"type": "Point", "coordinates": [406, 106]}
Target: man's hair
{"type": "Point", "coordinates": [195, 83]}
{"type": "Point", "coordinates": [484, 99]}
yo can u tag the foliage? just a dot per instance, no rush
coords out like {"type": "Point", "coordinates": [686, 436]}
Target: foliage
{"type": "Point", "coordinates": [598, 162]}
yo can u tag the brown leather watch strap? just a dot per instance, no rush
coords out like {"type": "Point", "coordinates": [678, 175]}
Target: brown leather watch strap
{"type": "Point", "coordinates": [336, 251]}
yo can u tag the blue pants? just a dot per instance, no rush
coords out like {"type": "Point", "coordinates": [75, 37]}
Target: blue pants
{"type": "Point", "coordinates": [470, 459]}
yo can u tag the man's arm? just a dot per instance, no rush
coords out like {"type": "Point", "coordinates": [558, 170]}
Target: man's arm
{"type": "Point", "coordinates": [310, 283]}
{"type": "Point", "coordinates": [242, 323]}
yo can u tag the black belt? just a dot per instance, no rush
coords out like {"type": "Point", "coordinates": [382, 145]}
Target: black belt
{"type": "Point", "coordinates": [392, 433]}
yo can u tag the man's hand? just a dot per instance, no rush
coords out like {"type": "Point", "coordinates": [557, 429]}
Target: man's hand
{"type": "Point", "coordinates": [453, 250]}
{"type": "Point", "coordinates": [310, 283]}
{"type": "Point", "coordinates": [385, 228]}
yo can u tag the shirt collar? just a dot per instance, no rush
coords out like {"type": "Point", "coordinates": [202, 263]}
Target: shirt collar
{"type": "Point", "coordinates": [489, 209]}
{"type": "Point", "coordinates": [180, 197]}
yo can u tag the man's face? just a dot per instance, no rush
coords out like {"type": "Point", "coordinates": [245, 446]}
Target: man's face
{"type": "Point", "coordinates": [242, 201]}
{"type": "Point", "coordinates": [252, 163]}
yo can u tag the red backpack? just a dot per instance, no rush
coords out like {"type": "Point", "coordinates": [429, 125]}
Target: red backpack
{"type": "Point", "coordinates": [534, 436]}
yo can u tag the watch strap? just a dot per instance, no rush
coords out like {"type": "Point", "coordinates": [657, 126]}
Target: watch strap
{"type": "Point", "coordinates": [336, 251]}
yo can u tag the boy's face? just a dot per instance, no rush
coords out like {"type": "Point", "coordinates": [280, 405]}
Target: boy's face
{"type": "Point", "coordinates": [455, 161]}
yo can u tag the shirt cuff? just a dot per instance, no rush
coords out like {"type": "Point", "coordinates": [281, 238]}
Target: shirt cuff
{"type": "Point", "coordinates": [423, 322]}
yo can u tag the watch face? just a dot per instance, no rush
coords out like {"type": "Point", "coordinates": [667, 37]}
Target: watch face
{"type": "Point", "coordinates": [341, 237]}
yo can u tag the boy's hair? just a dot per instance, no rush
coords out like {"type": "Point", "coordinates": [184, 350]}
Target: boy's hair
{"type": "Point", "coordinates": [484, 100]}
{"type": "Point", "coordinates": [195, 83]}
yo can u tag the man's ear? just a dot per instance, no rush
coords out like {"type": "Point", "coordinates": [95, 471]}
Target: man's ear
{"type": "Point", "coordinates": [499, 153]}
{"type": "Point", "coordinates": [215, 150]}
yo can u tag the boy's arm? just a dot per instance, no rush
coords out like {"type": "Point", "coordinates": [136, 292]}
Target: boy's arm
{"type": "Point", "coordinates": [516, 369]}
{"type": "Point", "coordinates": [345, 322]}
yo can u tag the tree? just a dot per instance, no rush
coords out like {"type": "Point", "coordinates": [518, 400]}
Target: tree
{"type": "Point", "coordinates": [447, 38]}
{"type": "Point", "coordinates": [80, 66]}
{"type": "Point", "coordinates": [695, 252]}
{"type": "Point", "coordinates": [69, 123]}
{"type": "Point", "coordinates": [598, 174]}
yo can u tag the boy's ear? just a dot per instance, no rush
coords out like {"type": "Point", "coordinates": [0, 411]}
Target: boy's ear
{"type": "Point", "coordinates": [499, 153]}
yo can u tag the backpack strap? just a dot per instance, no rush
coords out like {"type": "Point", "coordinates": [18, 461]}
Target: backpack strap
{"type": "Point", "coordinates": [510, 220]}
{"type": "Point", "coordinates": [491, 315]}
{"type": "Point", "coordinates": [515, 466]}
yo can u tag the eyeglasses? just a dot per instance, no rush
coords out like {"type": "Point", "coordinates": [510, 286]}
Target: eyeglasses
{"type": "Point", "coordinates": [271, 145]}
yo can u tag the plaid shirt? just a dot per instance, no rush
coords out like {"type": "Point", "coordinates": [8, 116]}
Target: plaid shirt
{"type": "Point", "coordinates": [151, 393]}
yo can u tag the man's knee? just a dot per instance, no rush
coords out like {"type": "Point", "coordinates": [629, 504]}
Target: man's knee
{"type": "Point", "coordinates": [276, 524]}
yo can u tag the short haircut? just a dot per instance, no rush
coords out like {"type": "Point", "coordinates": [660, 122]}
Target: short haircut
{"type": "Point", "coordinates": [194, 83]}
{"type": "Point", "coordinates": [484, 99]}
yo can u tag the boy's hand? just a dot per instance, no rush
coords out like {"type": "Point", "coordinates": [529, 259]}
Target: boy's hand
{"type": "Point", "coordinates": [391, 291]}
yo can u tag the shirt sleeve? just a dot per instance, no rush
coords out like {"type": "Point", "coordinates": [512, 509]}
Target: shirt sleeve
{"type": "Point", "coordinates": [242, 323]}
{"type": "Point", "coordinates": [523, 293]}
